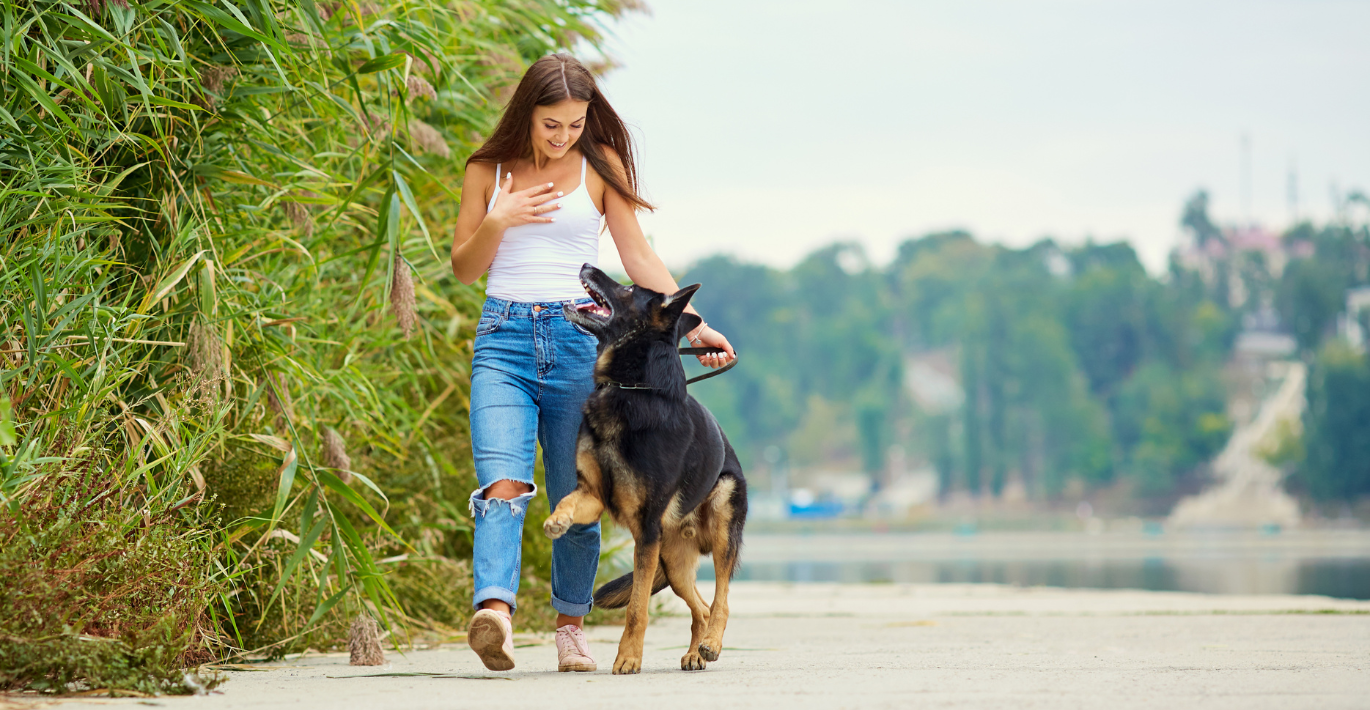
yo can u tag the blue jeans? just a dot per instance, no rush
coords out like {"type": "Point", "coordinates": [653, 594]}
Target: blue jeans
{"type": "Point", "coordinates": [530, 375]}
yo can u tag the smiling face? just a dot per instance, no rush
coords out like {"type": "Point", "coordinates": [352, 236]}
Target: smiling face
{"type": "Point", "coordinates": [557, 127]}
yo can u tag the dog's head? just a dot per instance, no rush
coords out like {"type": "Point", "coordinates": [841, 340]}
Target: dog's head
{"type": "Point", "coordinates": [631, 314]}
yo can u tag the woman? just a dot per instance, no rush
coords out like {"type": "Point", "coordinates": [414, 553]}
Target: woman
{"type": "Point", "coordinates": [559, 161]}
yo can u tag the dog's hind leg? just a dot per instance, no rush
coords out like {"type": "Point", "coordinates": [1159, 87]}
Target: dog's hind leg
{"type": "Point", "coordinates": [680, 557]}
{"type": "Point", "coordinates": [646, 557]}
{"type": "Point", "coordinates": [579, 507]}
{"type": "Point", "coordinates": [727, 512]}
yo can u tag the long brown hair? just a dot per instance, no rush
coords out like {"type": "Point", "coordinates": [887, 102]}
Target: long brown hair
{"type": "Point", "coordinates": [551, 80]}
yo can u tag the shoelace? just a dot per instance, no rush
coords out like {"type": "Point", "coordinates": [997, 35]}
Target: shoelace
{"type": "Point", "coordinates": [576, 637]}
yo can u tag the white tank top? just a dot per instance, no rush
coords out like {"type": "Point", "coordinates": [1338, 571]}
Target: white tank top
{"type": "Point", "coordinates": [540, 262]}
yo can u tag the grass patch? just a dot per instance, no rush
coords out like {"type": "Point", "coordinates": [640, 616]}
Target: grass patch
{"type": "Point", "coordinates": [96, 601]}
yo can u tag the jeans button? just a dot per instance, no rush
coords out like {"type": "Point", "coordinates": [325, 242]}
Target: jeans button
{"type": "Point", "coordinates": [537, 309]}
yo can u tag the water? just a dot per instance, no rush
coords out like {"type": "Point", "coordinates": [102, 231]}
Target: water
{"type": "Point", "coordinates": [1330, 563]}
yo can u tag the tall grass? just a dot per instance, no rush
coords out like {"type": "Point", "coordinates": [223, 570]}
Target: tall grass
{"type": "Point", "coordinates": [226, 321]}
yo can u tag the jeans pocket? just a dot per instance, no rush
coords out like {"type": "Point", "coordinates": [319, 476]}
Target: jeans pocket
{"type": "Point", "coordinates": [489, 323]}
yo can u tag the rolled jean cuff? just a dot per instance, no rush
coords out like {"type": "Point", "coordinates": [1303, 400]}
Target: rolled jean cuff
{"type": "Point", "coordinates": [570, 609]}
{"type": "Point", "coordinates": [499, 593]}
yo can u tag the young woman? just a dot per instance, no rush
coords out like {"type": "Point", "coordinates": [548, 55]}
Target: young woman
{"type": "Point", "coordinates": [559, 162]}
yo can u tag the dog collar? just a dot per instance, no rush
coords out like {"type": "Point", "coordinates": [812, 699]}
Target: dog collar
{"type": "Point", "coordinates": [620, 385]}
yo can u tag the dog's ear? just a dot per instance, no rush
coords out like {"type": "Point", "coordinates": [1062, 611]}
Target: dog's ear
{"type": "Point", "coordinates": [673, 305]}
{"type": "Point", "coordinates": [687, 323]}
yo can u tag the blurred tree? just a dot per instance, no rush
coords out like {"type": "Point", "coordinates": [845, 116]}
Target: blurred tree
{"type": "Point", "coordinates": [1308, 299]}
{"type": "Point", "coordinates": [1075, 364]}
{"type": "Point", "coordinates": [1195, 218]}
{"type": "Point", "coordinates": [1312, 291]}
{"type": "Point", "coordinates": [1336, 465]}
{"type": "Point", "coordinates": [1105, 310]}
{"type": "Point", "coordinates": [1167, 423]}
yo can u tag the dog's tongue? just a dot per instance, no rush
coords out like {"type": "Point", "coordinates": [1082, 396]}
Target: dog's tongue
{"type": "Point", "coordinates": [594, 308]}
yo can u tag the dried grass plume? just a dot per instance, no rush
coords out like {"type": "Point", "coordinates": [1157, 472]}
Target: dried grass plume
{"type": "Point", "coordinates": [205, 356]}
{"type": "Point", "coordinates": [98, 6]}
{"type": "Point", "coordinates": [213, 77]}
{"type": "Point", "coordinates": [377, 126]}
{"type": "Point", "coordinates": [364, 642]}
{"type": "Point", "coordinates": [335, 454]}
{"type": "Point", "coordinates": [299, 217]}
{"type": "Point", "coordinates": [428, 140]}
{"type": "Point", "coordinates": [402, 296]}
{"type": "Point", "coordinates": [419, 87]}
{"type": "Point", "coordinates": [281, 405]}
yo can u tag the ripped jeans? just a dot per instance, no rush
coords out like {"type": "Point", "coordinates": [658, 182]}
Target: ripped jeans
{"type": "Point", "coordinates": [530, 375]}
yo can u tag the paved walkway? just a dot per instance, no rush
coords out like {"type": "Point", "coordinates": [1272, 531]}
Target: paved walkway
{"type": "Point", "coordinates": [892, 646]}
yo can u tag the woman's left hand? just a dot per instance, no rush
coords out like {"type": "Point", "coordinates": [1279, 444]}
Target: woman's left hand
{"type": "Point", "coordinates": [711, 338]}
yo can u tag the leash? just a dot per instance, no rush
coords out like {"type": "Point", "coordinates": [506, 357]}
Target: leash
{"type": "Point", "coordinates": [692, 380]}
{"type": "Point", "coordinates": [707, 351]}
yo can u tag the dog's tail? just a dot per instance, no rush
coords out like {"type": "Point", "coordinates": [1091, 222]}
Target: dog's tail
{"type": "Point", "coordinates": [614, 593]}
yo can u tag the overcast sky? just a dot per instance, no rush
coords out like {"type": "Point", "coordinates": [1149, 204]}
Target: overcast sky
{"type": "Point", "coordinates": [770, 128]}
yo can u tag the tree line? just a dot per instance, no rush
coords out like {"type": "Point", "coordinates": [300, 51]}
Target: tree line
{"type": "Point", "coordinates": [1078, 369]}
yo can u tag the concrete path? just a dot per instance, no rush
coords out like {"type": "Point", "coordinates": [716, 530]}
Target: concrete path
{"type": "Point", "coordinates": [891, 646]}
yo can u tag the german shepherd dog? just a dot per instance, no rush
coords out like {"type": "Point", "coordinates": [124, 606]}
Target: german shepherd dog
{"type": "Point", "coordinates": [657, 460]}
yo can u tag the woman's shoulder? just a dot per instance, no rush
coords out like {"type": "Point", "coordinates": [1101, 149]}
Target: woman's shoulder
{"type": "Point", "coordinates": [610, 156]}
{"type": "Point", "coordinates": [480, 170]}
{"type": "Point", "coordinates": [480, 179]}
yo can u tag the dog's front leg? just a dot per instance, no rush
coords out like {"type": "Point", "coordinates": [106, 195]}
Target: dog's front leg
{"type": "Point", "coordinates": [645, 559]}
{"type": "Point", "coordinates": [579, 507]}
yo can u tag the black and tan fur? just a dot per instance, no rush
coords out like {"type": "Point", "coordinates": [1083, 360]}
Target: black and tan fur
{"type": "Point", "coordinates": [658, 462]}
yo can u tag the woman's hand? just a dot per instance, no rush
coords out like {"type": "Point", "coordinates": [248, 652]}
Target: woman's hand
{"type": "Point", "coordinates": [523, 207]}
{"type": "Point", "coordinates": [709, 338]}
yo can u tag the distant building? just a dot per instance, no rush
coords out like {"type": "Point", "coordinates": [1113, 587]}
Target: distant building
{"type": "Point", "coordinates": [1262, 338]}
{"type": "Point", "coordinates": [1236, 246]}
{"type": "Point", "coordinates": [933, 382]}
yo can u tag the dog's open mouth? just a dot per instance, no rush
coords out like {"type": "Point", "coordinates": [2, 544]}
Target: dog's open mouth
{"type": "Point", "coordinates": [599, 308]}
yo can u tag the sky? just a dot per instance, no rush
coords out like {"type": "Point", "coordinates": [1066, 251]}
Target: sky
{"type": "Point", "coordinates": [769, 129]}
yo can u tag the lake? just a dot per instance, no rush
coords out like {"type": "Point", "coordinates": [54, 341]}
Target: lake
{"type": "Point", "coordinates": [1333, 563]}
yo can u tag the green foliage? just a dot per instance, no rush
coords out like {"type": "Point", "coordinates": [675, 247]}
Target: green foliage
{"type": "Point", "coordinates": [1332, 460]}
{"type": "Point", "coordinates": [106, 597]}
{"type": "Point", "coordinates": [211, 214]}
{"type": "Point", "coordinates": [1051, 347]}
{"type": "Point", "coordinates": [1336, 462]}
{"type": "Point", "coordinates": [815, 330]}
{"type": "Point", "coordinates": [1195, 218]}
{"type": "Point", "coordinates": [1168, 423]}
{"type": "Point", "coordinates": [1312, 291]}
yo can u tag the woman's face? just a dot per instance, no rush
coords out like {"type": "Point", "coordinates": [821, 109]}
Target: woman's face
{"type": "Point", "coordinates": [557, 127]}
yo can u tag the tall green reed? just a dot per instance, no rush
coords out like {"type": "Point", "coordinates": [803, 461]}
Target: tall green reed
{"type": "Point", "coordinates": [221, 263]}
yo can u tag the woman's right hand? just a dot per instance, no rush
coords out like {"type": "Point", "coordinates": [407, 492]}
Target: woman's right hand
{"type": "Point", "coordinates": [526, 206]}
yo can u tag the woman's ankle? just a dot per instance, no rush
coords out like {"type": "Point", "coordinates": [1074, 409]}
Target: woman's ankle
{"type": "Point", "coordinates": [576, 621]}
{"type": "Point", "coordinates": [497, 605]}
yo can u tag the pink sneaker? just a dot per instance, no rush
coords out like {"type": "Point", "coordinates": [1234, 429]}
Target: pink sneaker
{"type": "Point", "coordinates": [491, 636]}
{"type": "Point", "coordinates": [573, 651]}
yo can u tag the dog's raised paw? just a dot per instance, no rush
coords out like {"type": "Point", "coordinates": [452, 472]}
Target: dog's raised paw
{"type": "Point", "coordinates": [627, 666]}
{"type": "Point", "coordinates": [708, 653]}
{"type": "Point", "coordinates": [556, 526]}
{"type": "Point", "coordinates": [692, 662]}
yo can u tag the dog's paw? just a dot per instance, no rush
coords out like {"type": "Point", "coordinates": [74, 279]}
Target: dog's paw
{"type": "Point", "coordinates": [624, 665]}
{"type": "Point", "coordinates": [556, 525]}
{"type": "Point", "coordinates": [692, 661]}
{"type": "Point", "coordinates": [708, 652]}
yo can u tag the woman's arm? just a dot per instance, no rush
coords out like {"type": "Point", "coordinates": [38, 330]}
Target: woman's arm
{"type": "Point", "coordinates": [477, 235]}
{"type": "Point", "coordinates": [645, 268]}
